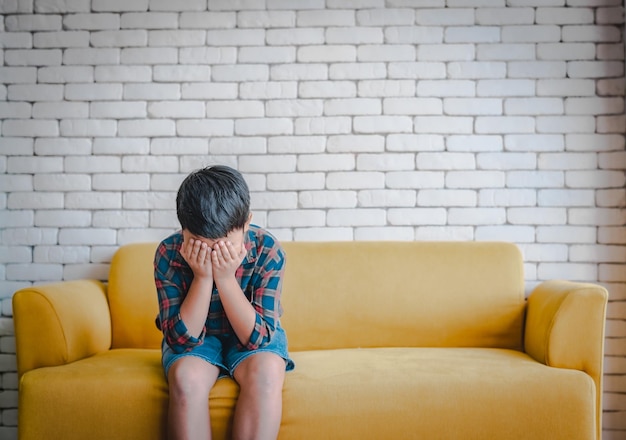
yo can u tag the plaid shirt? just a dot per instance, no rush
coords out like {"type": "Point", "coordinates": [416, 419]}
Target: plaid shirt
{"type": "Point", "coordinates": [260, 277]}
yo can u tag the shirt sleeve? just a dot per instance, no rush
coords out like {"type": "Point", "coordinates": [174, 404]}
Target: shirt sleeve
{"type": "Point", "coordinates": [266, 296]}
{"type": "Point", "coordinates": [170, 286]}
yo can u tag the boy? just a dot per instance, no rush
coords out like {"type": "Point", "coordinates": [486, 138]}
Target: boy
{"type": "Point", "coordinates": [219, 284]}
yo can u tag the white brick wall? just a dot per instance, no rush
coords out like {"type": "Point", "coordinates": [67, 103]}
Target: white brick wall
{"type": "Point", "coordinates": [351, 120]}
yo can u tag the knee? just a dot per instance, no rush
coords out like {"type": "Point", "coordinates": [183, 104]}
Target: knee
{"type": "Point", "coordinates": [263, 373]}
{"type": "Point", "coordinates": [190, 380]}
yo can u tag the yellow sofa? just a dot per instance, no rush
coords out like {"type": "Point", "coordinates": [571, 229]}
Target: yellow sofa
{"type": "Point", "coordinates": [395, 340]}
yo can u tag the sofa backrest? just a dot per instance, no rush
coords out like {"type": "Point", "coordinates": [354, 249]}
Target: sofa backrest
{"type": "Point", "coordinates": [399, 294]}
{"type": "Point", "coordinates": [361, 294]}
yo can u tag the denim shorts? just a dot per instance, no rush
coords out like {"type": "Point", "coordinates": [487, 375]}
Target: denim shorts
{"type": "Point", "coordinates": [226, 353]}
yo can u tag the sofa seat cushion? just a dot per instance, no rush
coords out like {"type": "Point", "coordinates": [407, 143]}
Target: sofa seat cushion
{"type": "Point", "coordinates": [445, 393]}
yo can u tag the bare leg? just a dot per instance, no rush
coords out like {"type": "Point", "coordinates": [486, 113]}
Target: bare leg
{"type": "Point", "coordinates": [260, 403]}
{"type": "Point", "coordinates": [190, 380]}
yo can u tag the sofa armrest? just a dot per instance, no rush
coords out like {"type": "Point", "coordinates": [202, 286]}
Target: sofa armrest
{"type": "Point", "coordinates": [565, 324]}
{"type": "Point", "coordinates": [60, 323]}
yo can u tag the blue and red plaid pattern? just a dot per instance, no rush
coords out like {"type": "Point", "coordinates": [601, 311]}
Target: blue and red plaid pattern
{"type": "Point", "coordinates": [260, 277]}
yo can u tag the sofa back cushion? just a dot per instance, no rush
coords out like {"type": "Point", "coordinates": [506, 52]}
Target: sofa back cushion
{"type": "Point", "coordinates": [403, 294]}
{"type": "Point", "coordinates": [360, 294]}
{"type": "Point", "coordinates": [132, 297]}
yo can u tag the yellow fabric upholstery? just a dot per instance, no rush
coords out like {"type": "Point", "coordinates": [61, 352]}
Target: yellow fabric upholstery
{"type": "Point", "coordinates": [565, 322]}
{"type": "Point", "coordinates": [60, 323]}
{"type": "Point", "coordinates": [390, 340]}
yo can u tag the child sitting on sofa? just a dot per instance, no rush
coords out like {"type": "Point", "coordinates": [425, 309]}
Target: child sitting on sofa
{"type": "Point", "coordinates": [219, 285]}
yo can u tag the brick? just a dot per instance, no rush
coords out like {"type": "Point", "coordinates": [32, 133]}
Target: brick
{"type": "Point", "coordinates": [323, 234]}
{"type": "Point", "coordinates": [444, 233]}
{"type": "Point", "coordinates": [119, 38]}
{"type": "Point", "coordinates": [611, 124]}
{"type": "Point", "coordinates": [269, 90]}
{"type": "Point", "coordinates": [325, 18]}
{"type": "Point", "coordinates": [399, 233]}
{"type": "Point", "coordinates": [610, 198]}
{"type": "Point", "coordinates": [59, 110]}
{"type": "Point", "coordinates": [119, 5]}
{"type": "Point", "coordinates": [297, 144]}
{"type": "Point", "coordinates": [446, 197]}
{"type": "Point", "coordinates": [176, 109]}
{"type": "Point", "coordinates": [62, 182]}
{"type": "Point", "coordinates": [296, 218]}
{"type": "Point", "coordinates": [30, 128]}
{"type": "Point", "coordinates": [236, 37]}
{"type": "Point", "coordinates": [472, 106]}
{"type": "Point", "coordinates": [18, 110]}
{"type": "Point", "coordinates": [594, 106]}
{"type": "Point", "coordinates": [595, 179]}
{"type": "Point", "coordinates": [266, 19]}
{"type": "Point", "coordinates": [537, 216]}
{"type": "Point", "coordinates": [613, 160]}
{"type": "Point", "coordinates": [17, 75]}
{"type": "Point", "coordinates": [354, 180]}
{"type": "Point", "coordinates": [421, 69]}
{"type": "Point", "coordinates": [259, 126]}
{"type": "Point", "coordinates": [326, 162]}
{"type": "Point", "coordinates": [61, 254]}
{"type": "Point", "coordinates": [207, 20]}
{"type": "Point", "coordinates": [534, 142]}
{"type": "Point", "coordinates": [166, 5]}
{"type": "Point", "coordinates": [16, 182]}
{"type": "Point", "coordinates": [384, 88]}
{"type": "Point", "coordinates": [472, 34]}
{"type": "Point", "coordinates": [161, 219]}
{"type": "Point", "coordinates": [92, 164]}
{"type": "Point", "coordinates": [385, 52]}
{"type": "Point", "coordinates": [118, 110]}
{"type": "Point", "coordinates": [564, 15]}
{"type": "Point", "coordinates": [204, 127]}
{"type": "Point", "coordinates": [120, 145]}
{"type": "Point", "coordinates": [283, 4]}
{"type": "Point", "coordinates": [241, 73]}
{"type": "Point", "coordinates": [568, 271]}
{"type": "Point", "coordinates": [88, 127]}
{"type": "Point", "coordinates": [33, 22]}
{"type": "Point", "coordinates": [346, 35]}
{"type": "Point", "coordinates": [414, 35]}
{"type": "Point", "coordinates": [149, 20]}
{"type": "Point", "coordinates": [517, 234]}
{"type": "Point", "coordinates": [35, 92]}
{"type": "Point", "coordinates": [608, 235]}
{"type": "Point", "coordinates": [65, 74]}
{"type": "Point", "coordinates": [305, 72]}
{"type": "Point", "coordinates": [386, 198]}
{"type": "Point", "coordinates": [207, 55]}
{"type": "Point", "coordinates": [565, 124]}
{"type": "Point", "coordinates": [232, 109]}
{"type": "Point", "coordinates": [269, 163]}
{"type": "Point", "coordinates": [283, 54]}
{"type": "Point", "coordinates": [327, 54]}
{"type": "Point", "coordinates": [61, 39]}
{"type": "Point", "coordinates": [182, 146]}
{"type": "Point", "coordinates": [209, 91]}
{"type": "Point", "coordinates": [17, 218]}
{"type": "Point", "coordinates": [568, 161]}
{"type": "Point", "coordinates": [274, 200]}
{"type": "Point", "coordinates": [505, 52]}
{"type": "Point", "coordinates": [91, 56]}
{"type": "Point", "coordinates": [63, 218]}
{"type": "Point", "coordinates": [341, 71]}
{"type": "Point", "coordinates": [415, 179]}
{"type": "Point", "coordinates": [448, 16]}
{"type": "Point", "coordinates": [566, 234]}
{"type": "Point", "coordinates": [411, 106]}
{"type": "Point", "coordinates": [34, 272]}
{"type": "Point", "coordinates": [597, 253]}
{"type": "Point", "coordinates": [34, 200]}
{"type": "Point", "coordinates": [591, 33]}
{"type": "Point", "coordinates": [93, 92]}
{"type": "Point", "coordinates": [611, 51]}
{"type": "Point", "coordinates": [32, 57]}
{"type": "Point", "coordinates": [416, 216]}
{"type": "Point", "coordinates": [327, 199]}
{"type": "Point", "coordinates": [148, 55]}
{"type": "Point", "coordinates": [414, 142]}
{"type": "Point", "coordinates": [475, 179]}
{"type": "Point", "coordinates": [29, 237]}
{"type": "Point", "coordinates": [506, 161]}
{"type": "Point", "coordinates": [443, 124]}
{"type": "Point", "coordinates": [146, 127]}
{"type": "Point", "coordinates": [544, 252]}
{"type": "Point", "coordinates": [445, 161]}
{"type": "Point", "coordinates": [566, 197]}
{"type": "Point", "coordinates": [595, 69]}
{"type": "Point", "coordinates": [536, 69]}
{"type": "Point", "coordinates": [445, 52]}
{"type": "Point", "coordinates": [507, 197]}
{"type": "Point", "coordinates": [535, 179]}
{"type": "Point", "coordinates": [149, 200]}
{"type": "Point", "coordinates": [533, 106]}
{"type": "Point", "coordinates": [566, 51]}
{"type": "Point", "coordinates": [356, 217]}
{"type": "Point", "coordinates": [505, 16]}
{"type": "Point", "coordinates": [295, 181]}
{"type": "Point", "coordinates": [355, 143]}
{"type": "Point", "coordinates": [385, 17]}
{"type": "Point", "coordinates": [382, 124]}
{"type": "Point", "coordinates": [294, 108]}
{"type": "Point", "coordinates": [121, 182]}
{"type": "Point", "coordinates": [385, 162]}
{"type": "Point", "coordinates": [92, 22]}
{"type": "Point", "coordinates": [531, 33]}
{"type": "Point", "coordinates": [151, 91]}
{"type": "Point", "coordinates": [505, 87]}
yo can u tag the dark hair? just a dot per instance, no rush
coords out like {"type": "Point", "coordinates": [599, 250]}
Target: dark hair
{"type": "Point", "coordinates": [213, 201]}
